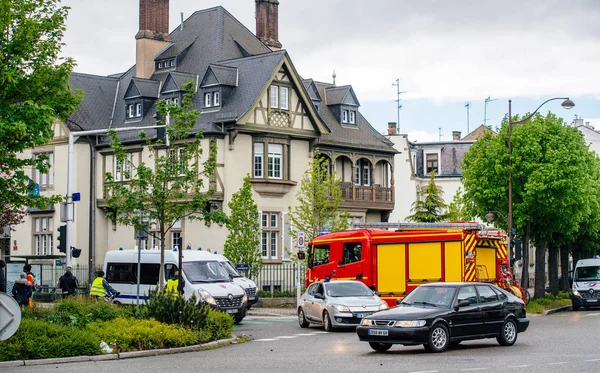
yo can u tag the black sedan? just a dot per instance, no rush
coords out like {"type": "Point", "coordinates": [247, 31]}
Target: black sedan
{"type": "Point", "coordinates": [440, 314]}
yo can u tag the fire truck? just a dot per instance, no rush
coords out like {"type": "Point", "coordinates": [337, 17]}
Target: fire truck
{"type": "Point", "coordinates": [395, 262]}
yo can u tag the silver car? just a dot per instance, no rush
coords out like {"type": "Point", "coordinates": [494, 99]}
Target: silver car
{"type": "Point", "coordinates": [337, 304]}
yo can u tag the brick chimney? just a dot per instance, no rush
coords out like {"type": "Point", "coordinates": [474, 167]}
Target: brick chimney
{"type": "Point", "coordinates": [267, 23]}
{"type": "Point", "coordinates": [456, 135]}
{"type": "Point", "coordinates": [153, 35]}
{"type": "Point", "coordinates": [392, 126]}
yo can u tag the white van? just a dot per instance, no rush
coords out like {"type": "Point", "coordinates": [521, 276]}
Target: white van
{"type": "Point", "coordinates": [586, 283]}
{"type": "Point", "coordinates": [202, 274]}
{"type": "Point", "coordinates": [248, 285]}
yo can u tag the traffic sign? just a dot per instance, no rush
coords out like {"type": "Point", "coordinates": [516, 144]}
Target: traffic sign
{"type": "Point", "coordinates": [242, 267]}
{"type": "Point", "coordinates": [10, 316]}
{"type": "Point", "coordinates": [76, 197]}
{"type": "Point", "coordinates": [300, 240]}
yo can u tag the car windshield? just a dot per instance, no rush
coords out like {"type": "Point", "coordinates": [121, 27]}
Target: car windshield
{"type": "Point", "coordinates": [587, 273]}
{"type": "Point", "coordinates": [229, 268]}
{"type": "Point", "coordinates": [348, 289]}
{"type": "Point", "coordinates": [431, 296]}
{"type": "Point", "coordinates": [206, 271]}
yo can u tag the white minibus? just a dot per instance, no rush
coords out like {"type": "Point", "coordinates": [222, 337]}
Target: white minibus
{"type": "Point", "coordinates": [248, 285]}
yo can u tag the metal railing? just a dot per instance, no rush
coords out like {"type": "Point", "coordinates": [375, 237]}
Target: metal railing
{"type": "Point", "coordinates": [279, 277]}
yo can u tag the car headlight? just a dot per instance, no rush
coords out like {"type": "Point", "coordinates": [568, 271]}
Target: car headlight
{"type": "Point", "coordinates": [409, 323]}
{"type": "Point", "coordinates": [205, 295]}
{"type": "Point", "coordinates": [383, 306]}
{"type": "Point", "coordinates": [575, 292]}
{"type": "Point", "coordinates": [340, 308]}
{"type": "Point", "coordinates": [244, 298]}
{"type": "Point", "coordinates": [366, 322]}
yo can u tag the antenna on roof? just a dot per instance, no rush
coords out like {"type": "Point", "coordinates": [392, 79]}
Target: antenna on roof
{"type": "Point", "coordinates": [397, 84]}
{"type": "Point", "coordinates": [334, 76]}
{"type": "Point", "coordinates": [181, 27]}
{"type": "Point", "coordinates": [468, 106]}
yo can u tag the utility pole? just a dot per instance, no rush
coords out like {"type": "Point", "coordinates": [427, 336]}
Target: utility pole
{"type": "Point", "coordinates": [468, 106]}
{"type": "Point", "coordinates": [439, 134]}
{"type": "Point", "coordinates": [485, 109]}
{"type": "Point", "coordinates": [398, 92]}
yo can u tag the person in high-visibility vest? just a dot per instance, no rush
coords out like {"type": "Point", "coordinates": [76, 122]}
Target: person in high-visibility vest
{"type": "Point", "coordinates": [100, 287]}
{"type": "Point", "coordinates": [173, 284]}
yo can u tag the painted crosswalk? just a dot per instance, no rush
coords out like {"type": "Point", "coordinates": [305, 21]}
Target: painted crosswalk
{"type": "Point", "coordinates": [298, 335]}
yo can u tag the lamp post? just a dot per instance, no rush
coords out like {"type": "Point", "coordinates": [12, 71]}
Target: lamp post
{"type": "Point", "coordinates": [567, 104]}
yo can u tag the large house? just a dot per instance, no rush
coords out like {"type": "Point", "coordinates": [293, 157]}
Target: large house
{"type": "Point", "coordinates": [263, 117]}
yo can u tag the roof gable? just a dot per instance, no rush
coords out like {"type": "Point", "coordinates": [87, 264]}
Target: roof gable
{"type": "Point", "coordinates": [142, 88]}
{"type": "Point", "coordinates": [341, 95]}
{"type": "Point", "coordinates": [311, 89]}
{"type": "Point", "coordinates": [220, 75]}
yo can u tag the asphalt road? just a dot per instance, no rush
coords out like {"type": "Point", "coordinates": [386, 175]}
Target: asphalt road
{"type": "Point", "coordinates": [560, 342]}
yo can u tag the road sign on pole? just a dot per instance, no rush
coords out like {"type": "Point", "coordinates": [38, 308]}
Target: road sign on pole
{"type": "Point", "coordinates": [300, 240]}
{"type": "Point", "coordinates": [299, 245]}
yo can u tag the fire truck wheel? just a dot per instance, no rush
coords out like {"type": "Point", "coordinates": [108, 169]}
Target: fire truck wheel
{"type": "Point", "coordinates": [327, 322]}
{"type": "Point", "coordinates": [302, 319]}
{"type": "Point", "coordinates": [439, 339]}
{"type": "Point", "coordinates": [508, 336]}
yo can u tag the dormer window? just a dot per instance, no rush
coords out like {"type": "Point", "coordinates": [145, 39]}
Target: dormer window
{"type": "Point", "coordinates": [212, 99]}
{"type": "Point", "coordinates": [165, 64]}
{"type": "Point", "coordinates": [172, 62]}
{"type": "Point", "coordinates": [134, 110]}
{"type": "Point", "coordinates": [138, 110]}
{"type": "Point", "coordinates": [130, 111]}
{"type": "Point", "coordinates": [352, 117]}
{"type": "Point", "coordinates": [208, 99]}
{"type": "Point", "coordinates": [216, 99]}
{"type": "Point", "coordinates": [344, 116]}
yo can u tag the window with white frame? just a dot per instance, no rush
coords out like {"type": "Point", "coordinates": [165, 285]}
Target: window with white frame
{"type": "Point", "coordinates": [130, 111]}
{"type": "Point", "coordinates": [270, 235]}
{"type": "Point", "coordinates": [274, 97]}
{"type": "Point", "coordinates": [138, 110]}
{"type": "Point", "coordinates": [208, 99]}
{"type": "Point", "coordinates": [432, 161]}
{"type": "Point", "coordinates": [43, 229]}
{"type": "Point", "coordinates": [217, 98]}
{"type": "Point", "coordinates": [352, 117]}
{"type": "Point", "coordinates": [178, 157]}
{"type": "Point", "coordinates": [362, 173]}
{"type": "Point", "coordinates": [284, 91]}
{"type": "Point", "coordinates": [122, 169]}
{"type": "Point", "coordinates": [176, 235]}
{"type": "Point", "coordinates": [46, 179]}
{"type": "Point", "coordinates": [275, 161]}
{"type": "Point", "coordinates": [258, 159]}
{"type": "Point", "coordinates": [344, 116]}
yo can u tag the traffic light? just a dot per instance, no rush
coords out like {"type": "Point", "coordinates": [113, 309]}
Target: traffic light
{"type": "Point", "coordinates": [62, 238]}
{"type": "Point", "coordinates": [301, 255]}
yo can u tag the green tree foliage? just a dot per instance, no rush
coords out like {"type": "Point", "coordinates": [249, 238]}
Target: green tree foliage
{"type": "Point", "coordinates": [553, 181]}
{"type": "Point", "coordinates": [457, 209]}
{"type": "Point", "coordinates": [170, 188]}
{"type": "Point", "coordinates": [431, 208]}
{"type": "Point", "coordinates": [319, 199]}
{"type": "Point", "coordinates": [243, 238]}
{"type": "Point", "coordinates": [34, 93]}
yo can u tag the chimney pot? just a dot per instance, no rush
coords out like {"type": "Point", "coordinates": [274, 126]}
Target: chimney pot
{"type": "Point", "coordinates": [392, 126]}
{"type": "Point", "coordinates": [456, 135]}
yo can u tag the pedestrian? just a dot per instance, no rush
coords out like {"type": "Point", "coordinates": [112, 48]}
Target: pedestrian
{"type": "Point", "coordinates": [173, 284]}
{"type": "Point", "coordinates": [22, 291]}
{"type": "Point", "coordinates": [31, 279]}
{"type": "Point", "coordinates": [68, 283]}
{"type": "Point", "coordinates": [2, 276]}
{"type": "Point", "coordinates": [101, 288]}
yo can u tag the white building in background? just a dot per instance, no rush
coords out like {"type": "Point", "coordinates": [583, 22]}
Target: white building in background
{"type": "Point", "coordinates": [591, 135]}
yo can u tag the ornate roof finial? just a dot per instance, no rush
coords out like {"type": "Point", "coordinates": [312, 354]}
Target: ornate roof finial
{"type": "Point", "coordinates": [334, 76]}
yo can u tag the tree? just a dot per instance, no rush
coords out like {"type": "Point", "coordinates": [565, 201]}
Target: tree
{"type": "Point", "coordinates": [243, 238]}
{"type": "Point", "coordinates": [172, 187]}
{"type": "Point", "coordinates": [547, 157]}
{"type": "Point", "coordinates": [457, 210]}
{"type": "Point", "coordinates": [431, 208]}
{"type": "Point", "coordinates": [319, 199]}
{"type": "Point", "coordinates": [34, 94]}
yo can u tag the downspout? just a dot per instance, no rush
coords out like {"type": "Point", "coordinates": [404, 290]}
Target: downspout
{"type": "Point", "coordinates": [92, 219]}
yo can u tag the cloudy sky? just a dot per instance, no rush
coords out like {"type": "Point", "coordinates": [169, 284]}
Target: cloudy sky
{"type": "Point", "coordinates": [445, 53]}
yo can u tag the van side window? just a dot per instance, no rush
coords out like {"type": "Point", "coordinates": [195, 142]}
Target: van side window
{"type": "Point", "coordinates": [120, 273]}
{"type": "Point", "coordinates": [321, 254]}
{"type": "Point", "coordinates": [149, 274]}
{"type": "Point", "coordinates": [352, 252]}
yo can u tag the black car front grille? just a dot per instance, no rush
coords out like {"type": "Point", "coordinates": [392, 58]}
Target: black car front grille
{"type": "Point", "coordinates": [590, 294]}
{"type": "Point", "coordinates": [250, 291]}
{"type": "Point", "coordinates": [383, 322]}
{"type": "Point", "coordinates": [224, 302]}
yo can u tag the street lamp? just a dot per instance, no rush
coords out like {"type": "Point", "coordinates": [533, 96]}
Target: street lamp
{"type": "Point", "coordinates": [567, 104]}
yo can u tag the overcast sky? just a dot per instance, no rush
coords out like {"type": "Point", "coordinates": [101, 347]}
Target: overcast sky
{"type": "Point", "coordinates": [445, 53]}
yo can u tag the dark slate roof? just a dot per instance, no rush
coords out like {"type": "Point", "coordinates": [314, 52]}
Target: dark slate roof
{"type": "Point", "coordinates": [146, 87]}
{"type": "Point", "coordinates": [340, 95]}
{"type": "Point", "coordinates": [96, 109]}
{"type": "Point", "coordinates": [360, 136]}
{"type": "Point", "coordinates": [309, 86]}
{"type": "Point", "coordinates": [226, 75]}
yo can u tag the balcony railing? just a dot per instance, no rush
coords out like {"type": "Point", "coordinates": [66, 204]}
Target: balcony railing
{"type": "Point", "coordinates": [367, 194]}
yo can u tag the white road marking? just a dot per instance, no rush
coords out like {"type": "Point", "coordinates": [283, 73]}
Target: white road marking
{"type": "Point", "coordinates": [265, 340]}
{"type": "Point", "coordinates": [559, 363]}
{"type": "Point", "coordinates": [286, 337]}
{"type": "Point", "coordinates": [305, 334]}
{"type": "Point", "coordinates": [426, 371]}
{"type": "Point", "coordinates": [320, 333]}
{"type": "Point", "coordinates": [471, 369]}
{"type": "Point", "coordinates": [518, 366]}
{"type": "Point", "coordinates": [591, 314]}
{"type": "Point", "coordinates": [593, 360]}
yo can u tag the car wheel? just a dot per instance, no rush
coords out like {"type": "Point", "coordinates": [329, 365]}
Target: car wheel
{"type": "Point", "coordinates": [237, 320]}
{"type": "Point", "coordinates": [439, 339]}
{"type": "Point", "coordinates": [327, 322]}
{"type": "Point", "coordinates": [380, 347]}
{"type": "Point", "coordinates": [249, 306]}
{"type": "Point", "coordinates": [302, 319]}
{"type": "Point", "coordinates": [508, 336]}
{"type": "Point", "coordinates": [576, 308]}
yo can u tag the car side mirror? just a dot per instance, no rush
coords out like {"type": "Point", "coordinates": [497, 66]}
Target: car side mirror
{"type": "Point", "coordinates": [398, 302]}
{"type": "Point", "coordinates": [319, 296]}
{"type": "Point", "coordinates": [463, 303]}
{"type": "Point", "coordinates": [377, 293]}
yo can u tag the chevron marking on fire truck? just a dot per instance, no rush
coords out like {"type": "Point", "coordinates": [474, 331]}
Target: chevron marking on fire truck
{"type": "Point", "coordinates": [470, 272]}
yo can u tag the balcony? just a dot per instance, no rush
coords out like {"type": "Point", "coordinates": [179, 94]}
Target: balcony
{"type": "Point", "coordinates": [373, 197]}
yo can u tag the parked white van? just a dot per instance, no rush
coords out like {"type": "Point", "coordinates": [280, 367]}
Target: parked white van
{"type": "Point", "coordinates": [202, 274]}
{"type": "Point", "coordinates": [248, 285]}
{"type": "Point", "coordinates": [586, 283]}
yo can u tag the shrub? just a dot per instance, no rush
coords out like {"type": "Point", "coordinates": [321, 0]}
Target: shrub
{"type": "Point", "coordinates": [127, 334]}
{"type": "Point", "coordinates": [38, 339]}
{"type": "Point", "coordinates": [78, 311]}
{"type": "Point", "coordinates": [175, 310]}
{"type": "Point", "coordinates": [219, 325]}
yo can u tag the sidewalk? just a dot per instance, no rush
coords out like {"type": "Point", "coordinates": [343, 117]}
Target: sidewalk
{"type": "Point", "coordinates": [257, 311]}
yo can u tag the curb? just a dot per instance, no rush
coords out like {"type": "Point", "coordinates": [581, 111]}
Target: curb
{"type": "Point", "coordinates": [555, 310]}
{"type": "Point", "coordinates": [119, 356]}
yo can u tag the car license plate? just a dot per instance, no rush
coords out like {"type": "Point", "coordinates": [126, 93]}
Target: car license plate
{"type": "Point", "coordinates": [361, 315]}
{"type": "Point", "coordinates": [231, 311]}
{"type": "Point", "coordinates": [378, 332]}
{"type": "Point", "coordinates": [592, 300]}
{"type": "Point", "coordinates": [251, 298]}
